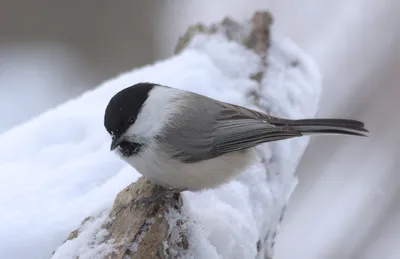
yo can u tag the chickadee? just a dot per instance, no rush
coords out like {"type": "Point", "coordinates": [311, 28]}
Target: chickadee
{"type": "Point", "coordinates": [186, 141]}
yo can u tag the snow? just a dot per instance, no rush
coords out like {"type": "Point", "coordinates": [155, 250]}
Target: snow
{"type": "Point", "coordinates": [90, 230]}
{"type": "Point", "coordinates": [57, 169]}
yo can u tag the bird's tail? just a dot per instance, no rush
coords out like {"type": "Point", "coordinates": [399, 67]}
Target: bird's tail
{"type": "Point", "coordinates": [324, 126]}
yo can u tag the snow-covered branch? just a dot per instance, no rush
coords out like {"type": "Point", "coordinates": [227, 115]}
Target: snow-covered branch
{"type": "Point", "coordinates": [67, 148]}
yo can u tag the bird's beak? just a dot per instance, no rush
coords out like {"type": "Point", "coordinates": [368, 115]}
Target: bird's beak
{"type": "Point", "coordinates": [115, 142]}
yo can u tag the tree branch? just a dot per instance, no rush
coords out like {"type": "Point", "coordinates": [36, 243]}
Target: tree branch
{"type": "Point", "coordinates": [159, 231]}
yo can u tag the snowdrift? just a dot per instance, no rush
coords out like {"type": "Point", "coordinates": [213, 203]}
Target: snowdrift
{"type": "Point", "coordinates": [57, 169]}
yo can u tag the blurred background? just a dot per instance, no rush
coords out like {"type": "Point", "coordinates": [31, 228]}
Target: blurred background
{"type": "Point", "coordinates": [347, 204]}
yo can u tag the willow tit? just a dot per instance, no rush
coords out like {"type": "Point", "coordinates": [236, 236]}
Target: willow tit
{"type": "Point", "coordinates": [187, 141]}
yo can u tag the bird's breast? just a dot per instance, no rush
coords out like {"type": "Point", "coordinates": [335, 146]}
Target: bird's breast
{"type": "Point", "coordinates": [170, 173]}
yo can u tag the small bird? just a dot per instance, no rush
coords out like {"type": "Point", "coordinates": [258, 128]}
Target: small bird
{"type": "Point", "coordinates": [186, 141]}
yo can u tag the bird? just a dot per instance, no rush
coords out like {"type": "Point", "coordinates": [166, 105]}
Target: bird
{"type": "Point", "coordinates": [185, 141]}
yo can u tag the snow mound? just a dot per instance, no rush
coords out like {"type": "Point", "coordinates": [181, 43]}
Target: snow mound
{"type": "Point", "coordinates": [57, 168]}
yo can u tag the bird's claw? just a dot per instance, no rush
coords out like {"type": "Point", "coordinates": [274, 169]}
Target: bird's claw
{"type": "Point", "coordinates": [168, 196]}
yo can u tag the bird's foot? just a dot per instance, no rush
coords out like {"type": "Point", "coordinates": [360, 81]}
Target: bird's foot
{"type": "Point", "coordinates": [168, 196]}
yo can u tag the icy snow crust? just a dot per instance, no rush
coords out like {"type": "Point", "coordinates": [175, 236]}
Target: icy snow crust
{"type": "Point", "coordinates": [56, 169]}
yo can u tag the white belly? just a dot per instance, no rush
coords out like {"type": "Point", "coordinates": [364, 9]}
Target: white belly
{"type": "Point", "coordinates": [191, 176]}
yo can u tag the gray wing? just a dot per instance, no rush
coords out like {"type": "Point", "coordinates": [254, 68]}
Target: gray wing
{"type": "Point", "coordinates": [206, 129]}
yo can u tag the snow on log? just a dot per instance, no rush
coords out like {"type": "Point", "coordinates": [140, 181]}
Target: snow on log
{"type": "Point", "coordinates": [63, 170]}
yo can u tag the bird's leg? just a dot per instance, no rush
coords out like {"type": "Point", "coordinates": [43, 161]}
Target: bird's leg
{"type": "Point", "coordinates": [165, 195]}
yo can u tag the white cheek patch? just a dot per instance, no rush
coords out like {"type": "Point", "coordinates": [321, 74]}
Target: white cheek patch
{"type": "Point", "coordinates": [156, 112]}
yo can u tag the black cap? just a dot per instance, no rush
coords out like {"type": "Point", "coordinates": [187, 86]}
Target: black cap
{"type": "Point", "coordinates": [124, 107]}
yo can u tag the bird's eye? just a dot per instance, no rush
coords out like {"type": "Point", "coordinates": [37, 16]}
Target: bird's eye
{"type": "Point", "coordinates": [131, 120]}
{"type": "Point", "coordinates": [128, 149]}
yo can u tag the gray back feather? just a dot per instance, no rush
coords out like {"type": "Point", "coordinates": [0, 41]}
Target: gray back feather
{"type": "Point", "coordinates": [205, 128]}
